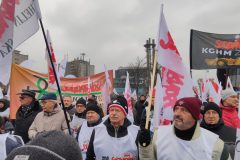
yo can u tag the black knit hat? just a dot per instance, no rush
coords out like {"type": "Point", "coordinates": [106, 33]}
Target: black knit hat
{"type": "Point", "coordinates": [121, 103]}
{"type": "Point", "coordinates": [49, 145]}
{"type": "Point", "coordinates": [81, 101]}
{"type": "Point", "coordinates": [212, 106]}
{"type": "Point", "coordinates": [93, 107]}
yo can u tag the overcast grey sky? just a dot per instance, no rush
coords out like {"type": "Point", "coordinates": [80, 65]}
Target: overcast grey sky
{"type": "Point", "coordinates": [113, 32]}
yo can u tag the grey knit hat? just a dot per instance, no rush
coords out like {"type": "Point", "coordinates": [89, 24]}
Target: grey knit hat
{"type": "Point", "coordinates": [228, 93]}
{"type": "Point", "coordinates": [54, 145]}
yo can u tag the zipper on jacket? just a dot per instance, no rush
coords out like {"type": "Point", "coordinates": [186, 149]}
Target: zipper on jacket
{"type": "Point", "coordinates": [116, 132]}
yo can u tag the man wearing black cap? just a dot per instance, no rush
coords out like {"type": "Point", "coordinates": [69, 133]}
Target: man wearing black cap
{"type": "Point", "coordinates": [26, 114]}
{"type": "Point", "coordinates": [212, 121]}
{"type": "Point", "coordinates": [185, 139]}
{"type": "Point", "coordinates": [85, 131]}
{"type": "Point", "coordinates": [80, 116]}
{"type": "Point", "coordinates": [51, 118]}
{"type": "Point", "coordinates": [116, 138]}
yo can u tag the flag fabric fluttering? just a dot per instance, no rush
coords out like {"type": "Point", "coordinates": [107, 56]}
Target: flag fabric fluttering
{"type": "Point", "coordinates": [107, 76]}
{"type": "Point", "coordinates": [52, 80]}
{"type": "Point", "coordinates": [134, 95]}
{"type": "Point", "coordinates": [106, 97]}
{"type": "Point", "coordinates": [62, 68]}
{"type": "Point", "coordinates": [127, 95]}
{"type": "Point", "coordinates": [229, 84]}
{"type": "Point", "coordinates": [15, 29]}
{"type": "Point", "coordinates": [196, 87]}
{"type": "Point", "coordinates": [115, 92]}
{"type": "Point", "coordinates": [176, 80]}
{"type": "Point", "coordinates": [204, 87]}
{"type": "Point", "coordinates": [89, 91]}
{"type": "Point", "coordinates": [213, 95]}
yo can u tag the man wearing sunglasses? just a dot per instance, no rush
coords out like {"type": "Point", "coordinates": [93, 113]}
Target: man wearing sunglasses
{"type": "Point", "coordinates": [26, 113]}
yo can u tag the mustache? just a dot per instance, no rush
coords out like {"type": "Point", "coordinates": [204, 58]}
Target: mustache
{"type": "Point", "coordinates": [178, 118]}
{"type": "Point", "coordinates": [114, 116]}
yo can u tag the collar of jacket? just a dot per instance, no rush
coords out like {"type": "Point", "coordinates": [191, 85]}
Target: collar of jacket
{"type": "Point", "coordinates": [54, 111]}
{"type": "Point", "coordinates": [212, 126]}
{"type": "Point", "coordinates": [36, 107]}
{"type": "Point", "coordinates": [227, 107]}
{"type": "Point", "coordinates": [196, 133]}
{"type": "Point", "coordinates": [70, 107]}
{"type": "Point", "coordinates": [97, 122]}
{"type": "Point", "coordinates": [121, 128]}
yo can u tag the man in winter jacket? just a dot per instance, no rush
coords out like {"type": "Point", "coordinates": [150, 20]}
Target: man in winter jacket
{"type": "Point", "coordinates": [116, 138]}
{"type": "Point", "coordinates": [229, 108]}
{"type": "Point", "coordinates": [26, 114]}
{"type": "Point", "coordinates": [140, 106]}
{"type": "Point", "coordinates": [80, 116]}
{"type": "Point", "coordinates": [51, 118]}
{"type": "Point", "coordinates": [85, 131]}
{"type": "Point", "coordinates": [4, 108]}
{"type": "Point", "coordinates": [212, 121]}
{"type": "Point", "coordinates": [184, 139]}
{"type": "Point", "coordinates": [67, 100]}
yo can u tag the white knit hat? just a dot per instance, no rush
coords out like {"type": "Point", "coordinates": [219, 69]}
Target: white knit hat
{"type": "Point", "coordinates": [228, 93]}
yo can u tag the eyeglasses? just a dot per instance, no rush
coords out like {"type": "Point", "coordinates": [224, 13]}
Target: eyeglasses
{"type": "Point", "coordinates": [44, 102]}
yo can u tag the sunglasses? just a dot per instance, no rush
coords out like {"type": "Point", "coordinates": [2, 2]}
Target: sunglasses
{"type": "Point", "coordinates": [22, 98]}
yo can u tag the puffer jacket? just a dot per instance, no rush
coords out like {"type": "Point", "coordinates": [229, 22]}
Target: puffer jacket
{"type": "Point", "coordinates": [230, 116]}
{"type": "Point", "coordinates": [46, 121]}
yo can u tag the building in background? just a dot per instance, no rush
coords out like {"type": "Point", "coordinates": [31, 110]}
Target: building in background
{"type": "Point", "coordinates": [18, 58]}
{"type": "Point", "coordinates": [138, 83]}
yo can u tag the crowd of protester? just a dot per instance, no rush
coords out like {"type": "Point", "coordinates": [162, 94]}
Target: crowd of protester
{"type": "Point", "coordinates": [42, 129]}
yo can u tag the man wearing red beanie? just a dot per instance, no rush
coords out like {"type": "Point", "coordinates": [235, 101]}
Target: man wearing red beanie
{"type": "Point", "coordinates": [184, 139]}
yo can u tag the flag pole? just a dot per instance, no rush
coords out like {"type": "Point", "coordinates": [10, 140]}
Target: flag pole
{"type": "Point", "coordinates": [48, 72]}
{"type": "Point", "coordinates": [55, 75]}
{"type": "Point", "coordinates": [151, 90]}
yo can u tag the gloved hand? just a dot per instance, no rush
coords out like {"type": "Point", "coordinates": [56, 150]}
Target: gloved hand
{"type": "Point", "coordinates": [144, 137]}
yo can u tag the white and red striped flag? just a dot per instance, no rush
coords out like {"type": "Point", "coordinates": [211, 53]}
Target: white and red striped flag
{"type": "Point", "coordinates": [52, 79]}
{"type": "Point", "coordinates": [106, 97]}
{"type": "Point", "coordinates": [107, 76]}
{"type": "Point", "coordinates": [176, 80]}
{"type": "Point", "coordinates": [88, 92]}
{"type": "Point", "coordinates": [127, 95]}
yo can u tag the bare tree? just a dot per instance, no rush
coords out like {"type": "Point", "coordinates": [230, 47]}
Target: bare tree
{"type": "Point", "coordinates": [137, 73]}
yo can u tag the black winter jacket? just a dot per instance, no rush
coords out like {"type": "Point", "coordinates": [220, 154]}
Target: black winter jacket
{"type": "Point", "coordinates": [226, 133]}
{"type": "Point", "coordinates": [22, 123]}
{"type": "Point", "coordinates": [140, 106]}
{"type": "Point", "coordinates": [121, 132]}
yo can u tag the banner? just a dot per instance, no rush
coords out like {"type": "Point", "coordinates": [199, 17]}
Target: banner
{"type": "Point", "coordinates": [127, 95]}
{"type": "Point", "coordinates": [22, 78]}
{"type": "Point", "coordinates": [212, 51]}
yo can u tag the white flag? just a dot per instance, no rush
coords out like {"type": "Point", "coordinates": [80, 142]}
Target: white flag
{"type": "Point", "coordinates": [114, 91]}
{"type": "Point", "coordinates": [52, 80]}
{"type": "Point", "coordinates": [204, 87]}
{"type": "Point", "coordinates": [106, 97]}
{"type": "Point", "coordinates": [127, 95]}
{"type": "Point", "coordinates": [176, 80]}
{"type": "Point", "coordinates": [229, 84]}
{"type": "Point", "coordinates": [62, 68]}
{"type": "Point", "coordinates": [107, 76]}
{"type": "Point", "coordinates": [18, 22]}
{"type": "Point", "coordinates": [213, 96]}
{"type": "Point", "coordinates": [134, 95]}
{"type": "Point", "coordinates": [28, 63]}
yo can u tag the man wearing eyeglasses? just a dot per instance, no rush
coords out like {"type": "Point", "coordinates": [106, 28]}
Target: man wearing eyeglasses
{"type": "Point", "coordinates": [26, 114]}
{"type": "Point", "coordinates": [51, 118]}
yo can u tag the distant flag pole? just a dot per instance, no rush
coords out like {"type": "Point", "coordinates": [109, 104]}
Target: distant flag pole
{"type": "Point", "coordinates": [48, 73]}
{"type": "Point", "coordinates": [55, 75]}
{"type": "Point", "coordinates": [88, 93]}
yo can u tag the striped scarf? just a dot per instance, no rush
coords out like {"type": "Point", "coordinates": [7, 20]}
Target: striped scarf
{"type": "Point", "coordinates": [26, 109]}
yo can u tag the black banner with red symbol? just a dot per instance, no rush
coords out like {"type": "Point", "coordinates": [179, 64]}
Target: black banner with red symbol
{"type": "Point", "coordinates": [214, 51]}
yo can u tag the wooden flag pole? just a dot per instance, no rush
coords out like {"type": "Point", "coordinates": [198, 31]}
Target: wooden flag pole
{"type": "Point", "coordinates": [151, 90]}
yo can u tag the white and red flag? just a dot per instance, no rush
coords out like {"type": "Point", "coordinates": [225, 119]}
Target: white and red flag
{"type": "Point", "coordinates": [196, 87]}
{"type": "Point", "coordinates": [107, 76]}
{"type": "Point", "coordinates": [114, 91]}
{"type": "Point", "coordinates": [19, 21]}
{"type": "Point", "coordinates": [229, 84]}
{"type": "Point", "coordinates": [88, 92]}
{"type": "Point", "coordinates": [52, 79]}
{"type": "Point", "coordinates": [204, 86]}
{"type": "Point", "coordinates": [127, 95]}
{"type": "Point", "coordinates": [62, 68]}
{"type": "Point", "coordinates": [134, 95]}
{"type": "Point", "coordinates": [176, 80]}
{"type": "Point", "coordinates": [106, 97]}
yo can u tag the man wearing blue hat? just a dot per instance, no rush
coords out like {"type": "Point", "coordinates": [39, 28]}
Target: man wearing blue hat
{"type": "Point", "coordinates": [51, 118]}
